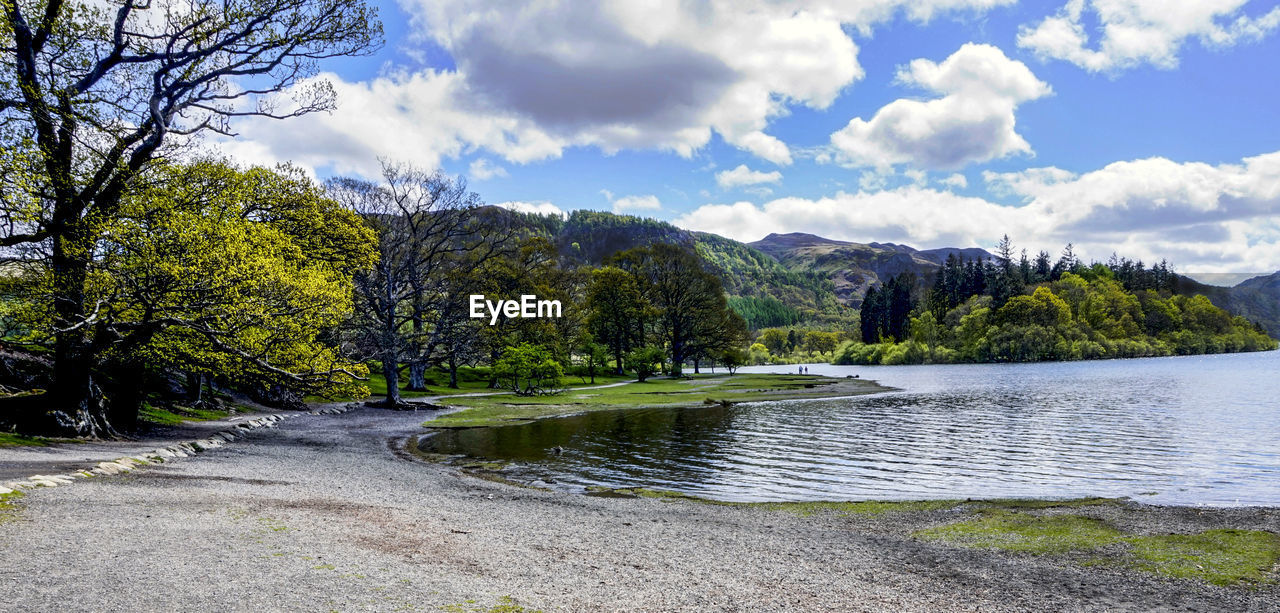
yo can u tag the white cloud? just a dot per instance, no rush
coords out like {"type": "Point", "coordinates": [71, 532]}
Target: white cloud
{"type": "Point", "coordinates": [1223, 218]}
{"type": "Point", "coordinates": [957, 181]}
{"type": "Point", "coordinates": [420, 118]}
{"type": "Point", "coordinates": [532, 80]}
{"type": "Point", "coordinates": [972, 121]}
{"type": "Point", "coordinates": [742, 175]}
{"type": "Point", "coordinates": [1137, 32]}
{"type": "Point", "coordinates": [481, 169]}
{"type": "Point", "coordinates": [916, 176]}
{"type": "Point", "coordinates": [635, 203]}
{"type": "Point", "coordinates": [541, 207]}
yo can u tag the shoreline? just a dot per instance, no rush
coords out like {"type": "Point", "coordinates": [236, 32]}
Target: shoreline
{"type": "Point", "coordinates": [326, 512]}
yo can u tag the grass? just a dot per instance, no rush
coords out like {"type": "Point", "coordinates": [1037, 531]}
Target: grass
{"type": "Point", "coordinates": [506, 409]}
{"type": "Point", "coordinates": [7, 508]}
{"type": "Point", "coordinates": [177, 415]}
{"type": "Point", "coordinates": [9, 439]}
{"type": "Point", "coordinates": [1222, 556]}
{"type": "Point", "coordinates": [1023, 532]}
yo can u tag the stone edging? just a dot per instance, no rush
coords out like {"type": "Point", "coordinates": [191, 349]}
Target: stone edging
{"type": "Point", "coordinates": [162, 454]}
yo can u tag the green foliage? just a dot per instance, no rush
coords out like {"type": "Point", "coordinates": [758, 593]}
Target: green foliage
{"type": "Point", "coordinates": [1073, 318]}
{"type": "Point", "coordinates": [528, 370]}
{"type": "Point", "coordinates": [764, 312]}
{"type": "Point", "coordinates": [645, 361]}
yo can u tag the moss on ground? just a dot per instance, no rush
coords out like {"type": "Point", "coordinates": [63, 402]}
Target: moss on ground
{"type": "Point", "coordinates": [8, 510]}
{"type": "Point", "coordinates": [695, 391]}
{"type": "Point", "coordinates": [1221, 557]}
{"type": "Point", "coordinates": [177, 414]}
{"type": "Point", "coordinates": [1023, 532]}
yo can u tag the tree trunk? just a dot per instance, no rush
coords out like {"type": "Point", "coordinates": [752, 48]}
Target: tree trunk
{"type": "Point", "coordinates": [417, 376]}
{"type": "Point", "coordinates": [695, 366]}
{"type": "Point", "coordinates": [453, 373]}
{"type": "Point", "coordinates": [392, 375]}
{"type": "Point", "coordinates": [78, 406]}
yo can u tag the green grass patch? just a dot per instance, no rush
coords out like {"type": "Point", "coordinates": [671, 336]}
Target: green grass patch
{"type": "Point", "coordinates": [7, 507]}
{"type": "Point", "coordinates": [9, 439]}
{"type": "Point", "coordinates": [1023, 532]}
{"type": "Point", "coordinates": [698, 390]}
{"type": "Point", "coordinates": [1221, 557]}
{"type": "Point", "coordinates": [176, 415]}
{"type": "Point", "coordinates": [866, 507]}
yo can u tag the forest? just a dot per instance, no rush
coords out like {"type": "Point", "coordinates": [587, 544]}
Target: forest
{"type": "Point", "coordinates": [1029, 310]}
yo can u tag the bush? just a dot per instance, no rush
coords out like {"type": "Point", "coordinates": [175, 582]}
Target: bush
{"type": "Point", "coordinates": [643, 361]}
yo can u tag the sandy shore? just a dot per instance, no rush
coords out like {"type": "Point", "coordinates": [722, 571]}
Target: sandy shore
{"type": "Point", "coordinates": [325, 513]}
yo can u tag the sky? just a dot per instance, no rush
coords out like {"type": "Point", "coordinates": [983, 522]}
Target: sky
{"type": "Point", "coordinates": [1148, 128]}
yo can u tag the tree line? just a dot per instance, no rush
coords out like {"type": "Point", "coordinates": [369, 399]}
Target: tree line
{"type": "Point", "coordinates": [1007, 310]}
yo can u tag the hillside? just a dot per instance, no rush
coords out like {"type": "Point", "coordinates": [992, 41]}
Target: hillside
{"type": "Point", "coordinates": [854, 267]}
{"type": "Point", "coordinates": [797, 278]}
{"type": "Point", "coordinates": [1257, 299]}
{"type": "Point", "coordinates": [764, 291]}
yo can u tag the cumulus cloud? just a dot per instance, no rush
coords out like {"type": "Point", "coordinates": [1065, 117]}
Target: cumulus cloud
{"type": "Point", "coordinates": [1202, 217]}
{"type": "Point", "coordinates": [635, 203]}
{"type": "Point", "coordinates": [1137, 32]}
{"type": "Point", "coordinates": [529, 81]}
{"type": "Point", "coordinates": [481, 169]}
{"type": "Point", "coordinates": [957, 181]}
{"type": "Point", "coordinates": [742, 175]}
{"type": "Point", "coordinates": [971, 121]}
{"type": "Point", "coordinates": [541, 207]}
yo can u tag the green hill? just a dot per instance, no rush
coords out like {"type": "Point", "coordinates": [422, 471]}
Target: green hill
{"type": "Point", "coordinates": [805, 280]}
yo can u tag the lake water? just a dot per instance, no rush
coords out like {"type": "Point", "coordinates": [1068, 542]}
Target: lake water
{"type": "Point", "coordinates": [1183, 430]}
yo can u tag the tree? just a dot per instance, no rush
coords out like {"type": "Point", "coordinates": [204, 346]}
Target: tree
{"type": "Point", "coordinates": [89, 100]}
{"type": "Point", "coordinates": [733, 359]}
{"type": "Point", "coordinates": [693, 316]}
{"type": "Point", "coordinates": [775, 340]}
{"type": "Point", "coordinates": [614, 307]}
{"type": "Point", "coordinates": [594, 355]}
{"type": "Point", "coordinates": [217, 272]}
{"type": "Point", "coordinates": [528, 370]}
{"type": "Point", "coordinates": [642, 361]}
{"type": "Point", "coordinates": [821, 342]}
{"type": "Point", "coordinates": [423, 224]}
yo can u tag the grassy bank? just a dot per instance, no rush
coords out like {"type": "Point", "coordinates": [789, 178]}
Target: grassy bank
{"type": "Point", "coordinates": [1096, 532]}
{"type": "Point", "coordinates": [506, 409]}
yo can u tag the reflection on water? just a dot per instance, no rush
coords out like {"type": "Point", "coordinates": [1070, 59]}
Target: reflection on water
{"type": "Point", "coordinates": [1187, 430]}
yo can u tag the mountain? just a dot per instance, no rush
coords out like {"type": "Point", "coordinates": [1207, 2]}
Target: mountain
{"type": "Point", "coordinates": [854, 267]}
{"type": "Point", "coordinates": [797, 278]}
{"type": "Point", "coordinates": [762, 289]}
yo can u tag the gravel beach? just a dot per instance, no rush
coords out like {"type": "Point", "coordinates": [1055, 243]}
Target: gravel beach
{"type": "Point", "coordinates": [326, 512]}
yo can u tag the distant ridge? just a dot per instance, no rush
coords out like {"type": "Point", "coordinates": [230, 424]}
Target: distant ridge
{"type": "Point", "coordinates": [854, 267]}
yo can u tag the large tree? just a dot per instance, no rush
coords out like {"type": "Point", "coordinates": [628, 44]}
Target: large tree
{"type": "Point", "coordinates": [212, 271]}
{"type": "Point", "coordinates": [91, 93]}
{"type": "Point", "coordinates": [426, 230]}
{"type": "Point", "coordinates": [614, 311]}
{"type": "Point", "coordinates": [692, 314]}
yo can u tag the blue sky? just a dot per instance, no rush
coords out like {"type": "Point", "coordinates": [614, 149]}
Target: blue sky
{"type": "Point", "coordinates": [1139, 126]}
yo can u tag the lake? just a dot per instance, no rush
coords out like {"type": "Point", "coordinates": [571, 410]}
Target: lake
{"type": "Point", "coordinates": [1196, 430]}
